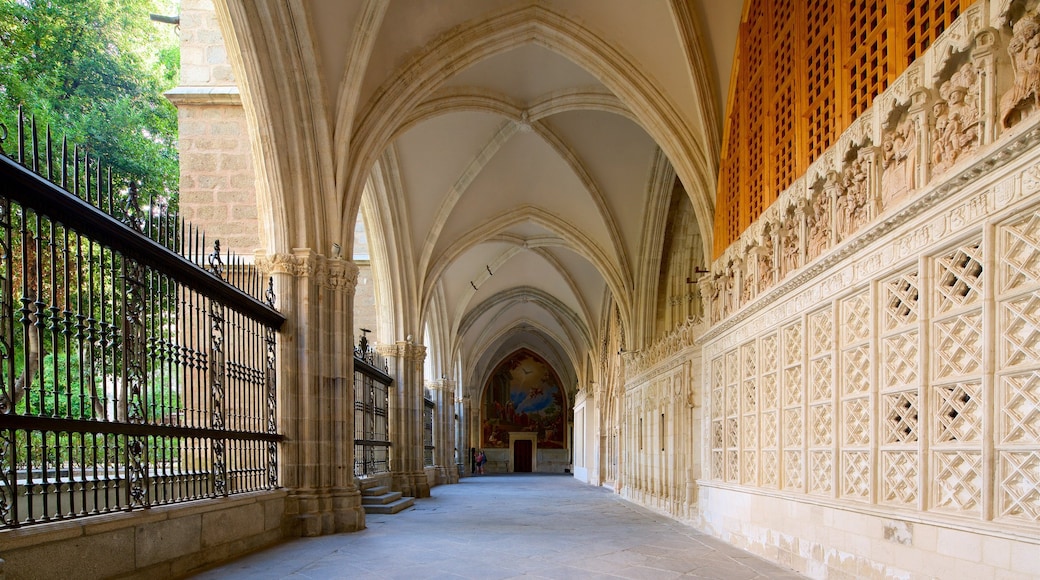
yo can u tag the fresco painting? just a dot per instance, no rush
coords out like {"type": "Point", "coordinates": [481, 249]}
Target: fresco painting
{"type": "Point", "coordinates": [524, 394]}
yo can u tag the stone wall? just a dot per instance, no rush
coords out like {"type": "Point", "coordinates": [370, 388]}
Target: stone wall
{"type": "Point", "coordinates": [871, 375]}
{"type": "Point", "coordinates": [162, 542]}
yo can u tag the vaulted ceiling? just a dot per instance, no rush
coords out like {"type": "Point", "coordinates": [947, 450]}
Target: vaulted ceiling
{"type": "Point", "coordinates": [518, 159]}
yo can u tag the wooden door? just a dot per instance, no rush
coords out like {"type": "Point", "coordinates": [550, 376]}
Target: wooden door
{"type": "Point", "coordinates": [522, 455]}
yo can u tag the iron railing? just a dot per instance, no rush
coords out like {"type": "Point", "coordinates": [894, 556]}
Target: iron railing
{"type": "Point", "coordinates": [371, 413]}
{"type": "Point", "coordinates": [136, 365]}
{"type": "Point", "coordinates": [429, 408]}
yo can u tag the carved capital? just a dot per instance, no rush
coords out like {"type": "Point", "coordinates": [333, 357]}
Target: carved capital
{"type": "Point", "coordinates": [342, 275]}
{"type": "Point", "coordinates": [271, 264]}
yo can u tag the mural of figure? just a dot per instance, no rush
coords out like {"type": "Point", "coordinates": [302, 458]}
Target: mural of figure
{"type": "Point", "coordinates": [1024, 49]}
{"type": "Point", "coordinates": [524, 394]}
{"type": "Point", "coordinates": [899, 162]}
{"type": "Point", "coordinates": [819, 227]}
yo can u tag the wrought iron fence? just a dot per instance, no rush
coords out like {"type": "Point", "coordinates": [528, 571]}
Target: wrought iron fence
{"type": "Point", "coordinates": [428, 411]}
{"type": "Point", "coordinates": [136, 364]}
{"type": "Point", "coordinates": [371, 418]}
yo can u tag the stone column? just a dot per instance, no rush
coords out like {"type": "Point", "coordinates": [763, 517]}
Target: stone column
{"type": "Point", "coordinates": [444, 430]}
{"type": "Point", "coordinates": [315, 394]}
{"type": "Point", "coordinates": [405, 361]}
{"type": "Point", "coordinates": [466, 434]}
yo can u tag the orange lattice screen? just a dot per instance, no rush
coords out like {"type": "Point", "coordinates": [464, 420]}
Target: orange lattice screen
{"type": "Point", "coordinates": [805, 70]}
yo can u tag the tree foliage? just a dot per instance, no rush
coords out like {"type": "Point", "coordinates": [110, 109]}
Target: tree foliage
{"type": "Point", "coordinates": [95, 70]}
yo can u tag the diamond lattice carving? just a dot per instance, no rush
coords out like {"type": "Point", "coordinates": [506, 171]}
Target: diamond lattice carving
{"type": "Point", "coordinates": [958, 348]}
{"type": "Point", "coordinates": [793, 470]}
{"type": "Point", "coordinates": [732, 400]}
{"type": "Point", "coordinates": [958, 480]}
{"type": "Point", "coordinates": [732, 466]}
{"type": "Point", "coordinates": [732, 432]}
{"type": "Point", "coordinates": [958, 280]}
{"type": "Point", "coordinates": [770, 355]}
{"type": "Point", "coordinates": [900, 301]}
{"type": "Point", "coordinates": [1021, 321]}
{"type": "Point", "coordinates": [1020, 406]}
{"type": "Point", "coordinates": [750, 432]}
{"type": "Point", "coordinates": [793, 386]}
{"type": "Point", "coordinates": [768, 392]}
{"type": "Point", "coordinates": [770, 468]}
{"type": "Point", "coordinates": [899, 353]}
{"type": "Point", "coordinates": [821, 333]}
{"type": "Point", "coordinates": [718, 465]}
{"type": "Point", "coordinates": [958, 413]}
{"type": "Point", "coordinates": [821, 424]}
{"type": "Point", "coordinates": [899, 471]}
{"type": "Point", "coordinates": [750, 467]}
{"type": "Point", "coordinates": [855, 319]}
{"type": "Point", "coordinates": [856, 419]}
{"type": "Point", "coordinates": [820, 471]}
{"type": "Point", "coordinates": [855, 369]}
{"type": "Point", "coordinates": [820, 378]}
{"type": "Point", "coordinates": [749, 360]}
{"type": "Point", "coordinates": [769, 435]}
{"type": "Point", "coordinates": [900, 412]}
{"type": "Point", "coordinates": [718, 438]}
{"type": "Point", "coordinates": [750, 394]}
{"type": "Point", "coordinates": [792, 427]}
{"type": "Point", "coordinates": [732, 370]}
{"type": "Point", "coordinates": [718, 403]}
{"type": "Point", "coordinates": [1020, 259]}
{"type": "Point", "coordinates": [718, 373]}
{"type": "Point", "coordinates": [855, 474]}
{"type": "Point", "coordinates": [793, 344]}
{"type": "Point", "coordinates": [1020, 485]}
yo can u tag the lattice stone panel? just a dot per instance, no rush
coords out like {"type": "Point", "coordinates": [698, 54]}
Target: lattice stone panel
{"type": "Point", "coordinates": [821, 425]}
{"type": "Point", "coordinates": [718, 373]}
{"type": "Point", "coordinates": [900, 301]}
{"type": "Point", "coordinates": [732, 400]}
{"type": "Point", "coordinates": [856, 422]}
{"type": "Point", "coordinates": [750, 465]}
{"type": "Point", "coordinates": [792, 336]}
{"type": "Point", "coordinates": [855, 370]}
{"type": "Point", "coordinates": [1019, 493]}
{"type": "Point", "coordinates": [732, 368]}
{"type": "Point", "coordinates": [750, 396]}
{"type": "Point", "coordinates": [793, 470]}
{"type": "Point", "coordinates": [769, 393]}
{"type": "Point", "coordinates": [900, 413]}
{"type": "Point", "coordinates": [821, 333]}
{"type": "Point", "coordinates": [793, 388]}
{"type": "Point", "coordinates": [821, 466]}
{"type": "Point", "coordinates": [899, 477]}
{"type": "Point", "coordinates": [732, 432]}
{"type": "Point", "coordinates": [749, 431]}
{"type": "Point", "coordinates": [718, 465]}
{"type": "Point", "coordinates": [770, 468]}
{"type": "Point", "coordinates": [732, 466]}
{"type": "Point", "coordinates": [1020, 257]}
{"type": "Point", "coordinates": [855, 474]}
{"type": "Point", "coordinates": [1020, 408]}
{"type": "Point", "coordinates": [855, 318]}
{"type": "Point", "coordinates": [1020, 321]}
{"type": "Point", "coordinates": [958, 345]}
{"type": "Point", "coordinates": [821, 379]}
{"type": "Point", "coordinates": [958, 277]}
{"type": "Point", "coordinates": [793, 427]}
{"type": "Point", "coordinates": [958, 480]}
{"type": "Point", "coordinates": [957, 411]}
{"type": "Point", "coordinates": [769, 433]}
{"type": "Point", "coordinates": [749, 361]}
{"type": "Point", "coordinates": [718, 435]}
{"type": "Point", "coordinates": [770, 354]}
{"type": "Point", "coordinates": [718, 403]}
{"type": "Point", "coordinates": [899, 367]}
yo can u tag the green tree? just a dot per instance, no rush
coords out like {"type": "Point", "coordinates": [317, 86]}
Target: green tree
{"type": "Point", "coordinates": [95, 70]}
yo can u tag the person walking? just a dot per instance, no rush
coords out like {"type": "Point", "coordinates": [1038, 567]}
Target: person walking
{"type": "Point", "coordinates": [481, 460]}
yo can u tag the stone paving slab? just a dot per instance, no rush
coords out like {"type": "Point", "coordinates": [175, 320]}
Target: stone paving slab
{"type": "Point", "coordinates": [509, 526]}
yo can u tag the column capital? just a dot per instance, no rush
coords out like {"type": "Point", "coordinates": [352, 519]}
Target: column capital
{"type": "Point", "coordinates": [342, 275]}
{"type": "Point", "coordinates": [333, 273]}
{"type": "Point", "coordinates": [402, 349]}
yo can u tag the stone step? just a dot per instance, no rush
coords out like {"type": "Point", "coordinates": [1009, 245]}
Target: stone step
{"type": "Point", "coordinates": [381, 499]}
{"type": "Point", "coordinates": [390, 508]}
{"type": "Point", "coordinates": [375, 490]}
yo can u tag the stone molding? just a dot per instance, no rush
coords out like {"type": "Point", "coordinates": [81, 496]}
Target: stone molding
{"type": "Point", "coordinates": [673, 343]}
{"type": "Point", "coordinates": [203, 96]}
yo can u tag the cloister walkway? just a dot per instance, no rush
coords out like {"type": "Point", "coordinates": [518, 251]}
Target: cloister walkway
{"type": "Point", "coordinates": [507, 526]}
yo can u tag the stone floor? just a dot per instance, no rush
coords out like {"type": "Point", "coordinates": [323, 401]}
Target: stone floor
{"type": "Point", "coordinates": [510, 526]}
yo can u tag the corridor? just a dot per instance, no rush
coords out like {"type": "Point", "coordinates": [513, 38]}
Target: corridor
{"type": "Point", "coordinates": [506, 526]}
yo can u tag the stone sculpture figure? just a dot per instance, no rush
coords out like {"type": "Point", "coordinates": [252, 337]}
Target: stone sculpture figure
{"type": "Point", "coordinates": [790, 247]}
{"type": "Point", "coordinates": [898, 162]}
{"type": "Point", "coordinates": [1024, 49]}
{"type": "Point", "coordinates": [819, 227]}
{"type": "Point", "coordinates": [957, 118]}
{"type": "Point", "coordinates": [765, 262]}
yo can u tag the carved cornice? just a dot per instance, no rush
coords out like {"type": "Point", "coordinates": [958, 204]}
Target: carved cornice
{"type": "Point", "coordinates": [680, 339]}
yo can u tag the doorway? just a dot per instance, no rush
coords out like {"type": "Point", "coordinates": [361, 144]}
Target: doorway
{"type": "Point", "coordinates": [522, 456]}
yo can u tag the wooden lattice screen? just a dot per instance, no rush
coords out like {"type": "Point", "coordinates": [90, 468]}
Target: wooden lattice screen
{"type": "Point", "coordinates": [805, 70]}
